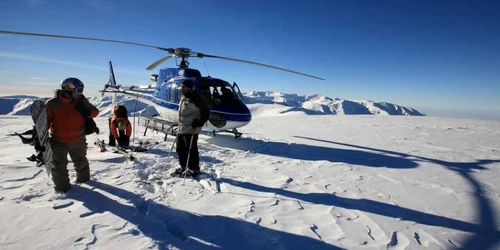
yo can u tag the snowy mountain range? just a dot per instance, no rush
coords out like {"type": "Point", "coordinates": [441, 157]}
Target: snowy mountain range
{"type": "Point", "coordinates": [318, 104]}
{"type": "Point", "coordinates": [282, 104]}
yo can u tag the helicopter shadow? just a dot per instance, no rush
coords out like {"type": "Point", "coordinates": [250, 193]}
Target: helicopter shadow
{"type": "Point", "coordinates": [173, 227]}
{"type": "Point", "coordinates": [486, 234]}
{"type": "Point", "coordinates": [314, 153]}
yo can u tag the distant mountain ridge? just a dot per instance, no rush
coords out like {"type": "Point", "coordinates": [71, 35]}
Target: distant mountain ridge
{"type": "Point", "coordinates": [311, 105]}
{"type": "Point", "coordinates": [318, 104]}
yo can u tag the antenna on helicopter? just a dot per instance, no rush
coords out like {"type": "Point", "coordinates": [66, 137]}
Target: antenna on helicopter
{"type": "Point", "coordinates": [208, 73]}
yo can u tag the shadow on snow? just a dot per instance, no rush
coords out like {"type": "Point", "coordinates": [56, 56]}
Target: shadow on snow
{"type": "Point", "coordinates": [485, 233]}
{"type": "Point", "coordinates": [172, 227]}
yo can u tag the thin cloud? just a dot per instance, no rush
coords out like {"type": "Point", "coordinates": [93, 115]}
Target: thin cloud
{"type": "Point", "coordinates": [38, 78]}
{"type": "Point", "coordinates": [24, 83]}
{"type": "Point", "coordinates": [6, 72]}
{"type": "Point", "coordinates": [50, 60]}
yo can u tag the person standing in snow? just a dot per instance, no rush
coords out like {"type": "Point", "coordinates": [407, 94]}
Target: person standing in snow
{"type": "Point", "coordinates": [66, 116]}
{"type": "Point", "coordinates": [120, 127]}
{"type": "Point", "coordinates": [193, 114]}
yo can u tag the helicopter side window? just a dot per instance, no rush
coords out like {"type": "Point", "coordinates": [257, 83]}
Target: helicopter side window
{"type": "Point", "coordinates": [216, 96]}
{"type": "Point", "coordinates": [205, 94]}
{"type": "Point", "coordinates": [227, 95]}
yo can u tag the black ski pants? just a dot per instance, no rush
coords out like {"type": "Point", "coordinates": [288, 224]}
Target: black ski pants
{"type": "Point", "coordinates": [123, 140]}
{"type": "Point", "coordinates": [183, 144]}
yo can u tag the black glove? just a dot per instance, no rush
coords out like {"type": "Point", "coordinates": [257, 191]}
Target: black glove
{"type": "Point", "coordinates": [82, 109]}
{"type": "Point", "coordinates": [195, 123]}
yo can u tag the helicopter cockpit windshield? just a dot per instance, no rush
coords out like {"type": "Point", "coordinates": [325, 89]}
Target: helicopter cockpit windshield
{"type": "Point", "coordinates": [219, 93]}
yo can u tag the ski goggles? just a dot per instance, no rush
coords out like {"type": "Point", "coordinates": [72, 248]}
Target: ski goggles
{"type": "Point", "coordinates": [79, 90]}
{"type": "Point", "coordinates": [71, 87]}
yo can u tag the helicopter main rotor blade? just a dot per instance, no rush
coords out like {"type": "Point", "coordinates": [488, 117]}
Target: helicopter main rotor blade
{"type": "Point", "coordinates": [155, 64]}
{"type": "Point", "coordinates": [170, 50]}
{"type": "Point", "coordinates": [201, 55]}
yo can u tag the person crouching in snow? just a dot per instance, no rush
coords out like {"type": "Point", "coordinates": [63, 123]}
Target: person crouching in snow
{"type": "Point", "coordinates": [120, 127]}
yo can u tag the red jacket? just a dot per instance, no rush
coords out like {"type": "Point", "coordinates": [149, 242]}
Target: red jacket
{"type": "Point", "coordinates": [65, 123]}
{"type": "Point", "coordinates": [113, 126]}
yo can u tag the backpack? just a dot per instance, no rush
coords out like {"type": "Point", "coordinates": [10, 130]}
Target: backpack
{"type": "Point", "coordinates": [91, 126]}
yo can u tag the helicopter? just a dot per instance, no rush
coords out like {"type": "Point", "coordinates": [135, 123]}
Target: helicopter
{"type": "Point", "coordinates": [228, 111]}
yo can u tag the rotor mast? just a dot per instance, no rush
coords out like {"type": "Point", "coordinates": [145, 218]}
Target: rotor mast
{"type": "Point", "coordinates": [184, 54]}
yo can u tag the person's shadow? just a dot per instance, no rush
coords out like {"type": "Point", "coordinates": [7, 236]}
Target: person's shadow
{"type": "Point", "coordinates": [172, 227]}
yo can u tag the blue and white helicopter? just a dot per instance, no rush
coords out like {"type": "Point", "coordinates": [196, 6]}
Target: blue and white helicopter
{"type": "Point", "coordinates": [228, 111]}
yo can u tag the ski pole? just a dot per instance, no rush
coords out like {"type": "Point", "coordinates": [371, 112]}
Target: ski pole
{"type": "Point", "coordinates": [189, 155]}
{"type": "Point", "coordinates": [169, 153]}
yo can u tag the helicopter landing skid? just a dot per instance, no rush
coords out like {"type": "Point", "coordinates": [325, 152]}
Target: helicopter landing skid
{"type": "Point", "coordinates": [233, 131]}
{"type": "Point", "coordinates": [160, 125]}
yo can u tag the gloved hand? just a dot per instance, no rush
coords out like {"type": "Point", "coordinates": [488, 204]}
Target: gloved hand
{"type": "Point", "coordinates": [82, 109]}
{"type": "Point", "coordinates": [195, 123]}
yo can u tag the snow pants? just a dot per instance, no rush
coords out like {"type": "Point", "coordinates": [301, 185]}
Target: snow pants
{"type": "Point", "coordinates": [78, 154]}
{"type": "Point", "coordinates": [123, 140]}
{"type": "Point", "coordinates": [183, 142]}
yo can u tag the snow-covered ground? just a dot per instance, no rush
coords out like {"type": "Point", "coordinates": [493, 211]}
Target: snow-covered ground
{"type": "Point", "coordinates": [293, 181]}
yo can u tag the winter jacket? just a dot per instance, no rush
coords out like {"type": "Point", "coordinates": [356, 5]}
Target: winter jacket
{"type": "Point", "coordinates": [66, 124]}
{"type": "Point", "coordinates": [113, 126]}
{"type": "Point", "coordinates": [193, 111]}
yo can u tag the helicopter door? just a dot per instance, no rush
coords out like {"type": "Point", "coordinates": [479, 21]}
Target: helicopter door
{"type": "Point", "coordinates": [172, 92]}
{"type": "Point", "coordinates": [237, 90]}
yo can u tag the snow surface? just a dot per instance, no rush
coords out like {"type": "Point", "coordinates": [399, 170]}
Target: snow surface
{"type": "Point", "coordinates": [293, 181]}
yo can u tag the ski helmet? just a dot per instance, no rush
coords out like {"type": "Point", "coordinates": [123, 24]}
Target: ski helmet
{"type": "Point", "coordinates": [72, 84]}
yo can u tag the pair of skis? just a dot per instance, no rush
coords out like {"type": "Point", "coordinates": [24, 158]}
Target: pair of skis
{"type": "Point", "coordinates": [119, 150]}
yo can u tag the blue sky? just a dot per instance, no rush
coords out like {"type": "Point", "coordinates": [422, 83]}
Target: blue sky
{"type": "Point", "coordinates": [422, 54]}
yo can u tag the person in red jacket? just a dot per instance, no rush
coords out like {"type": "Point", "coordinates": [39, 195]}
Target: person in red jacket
{"type": "Point", "coordinates": [66, 115]}
{"type": "Point", "coordinates": [120, 127]}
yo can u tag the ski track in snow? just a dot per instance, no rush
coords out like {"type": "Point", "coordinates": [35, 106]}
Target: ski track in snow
{"type": "Point", "coordinates": [26, 178]}
{"type": "Point", "coordinates": [79, 244]}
